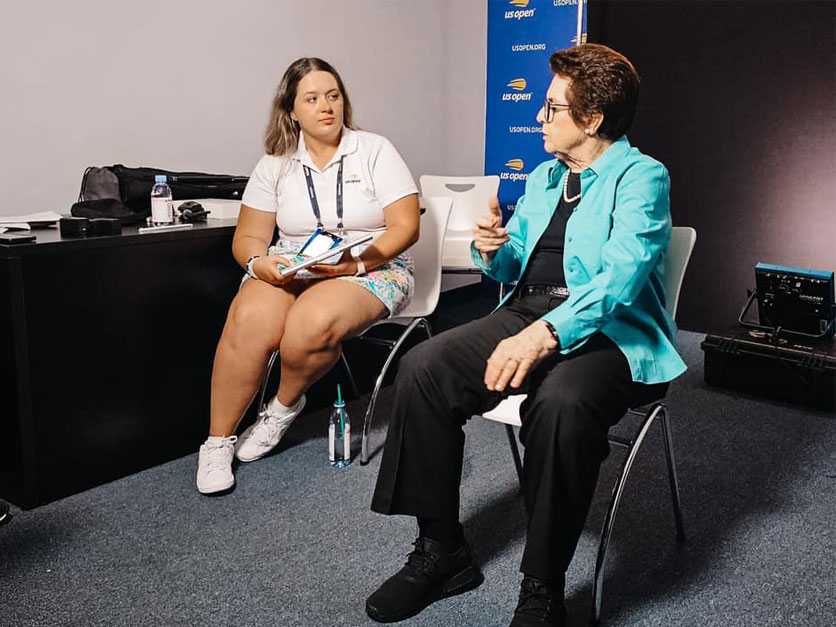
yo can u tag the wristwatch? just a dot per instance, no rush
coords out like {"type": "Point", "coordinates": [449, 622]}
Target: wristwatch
{"type": "Point", "coordinates": [249, 266]}
{"type": "Point", "coordinates": [553, 331]}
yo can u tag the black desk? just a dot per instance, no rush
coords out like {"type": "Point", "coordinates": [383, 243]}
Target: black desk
{"type": "Point", "coordinates": [106, 354]}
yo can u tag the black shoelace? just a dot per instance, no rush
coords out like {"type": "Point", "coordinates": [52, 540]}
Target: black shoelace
{"type": "Point", "coordinates": [535, 599]}
{"type": "Point", "coordinates": [421, 560]}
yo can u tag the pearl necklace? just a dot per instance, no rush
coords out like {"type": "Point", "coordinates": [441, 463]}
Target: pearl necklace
{"type": "Point", "coordinates": [566, 189]}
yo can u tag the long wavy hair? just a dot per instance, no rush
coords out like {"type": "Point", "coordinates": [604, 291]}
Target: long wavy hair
{"type": "Point", "coordinates": [282, 136]}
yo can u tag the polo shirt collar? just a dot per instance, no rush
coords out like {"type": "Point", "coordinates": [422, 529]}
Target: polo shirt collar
{"type": "Point", "coordinates": [348, 145]}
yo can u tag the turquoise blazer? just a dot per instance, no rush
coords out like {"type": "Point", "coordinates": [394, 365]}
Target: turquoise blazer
{"type": "Point", "coordinates": [613, 257]}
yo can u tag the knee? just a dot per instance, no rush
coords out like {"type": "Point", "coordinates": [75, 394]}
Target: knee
{"type": "Point", "coordinates": [563, 416]}
{"type": "Point", "coordinates": [249, 323]}
{"type": "Point", "coordinates": [310, 332]}
{"type": "Point", "coordinates": [422, 361]}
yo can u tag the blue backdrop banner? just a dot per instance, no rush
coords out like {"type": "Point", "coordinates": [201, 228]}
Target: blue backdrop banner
{"type": "Point", "coordinates": [522, 34]}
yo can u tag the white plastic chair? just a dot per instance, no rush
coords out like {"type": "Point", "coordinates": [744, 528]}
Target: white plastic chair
{"type": "Point", "coordinates": [426, 253]}
{"type": "Point", "coordinates": [508, 412]}
{"type": "Point", "coordinates": [470, 196]}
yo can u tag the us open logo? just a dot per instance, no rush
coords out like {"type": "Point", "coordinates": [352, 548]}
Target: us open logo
{"type": "Point", "coordinates": [516, 165]}
{"type": "Point", "coordinates": [521, 12]}
{"type": "Point", "coordinates": [518, 85]}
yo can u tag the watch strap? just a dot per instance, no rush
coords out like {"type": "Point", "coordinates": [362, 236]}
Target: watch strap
{"type": "Point", "coordinates": [249, 266]}
{"type": "Point", "coordinates": [361, 267]}
{"type": "Point", "coordinates": [553, 331]}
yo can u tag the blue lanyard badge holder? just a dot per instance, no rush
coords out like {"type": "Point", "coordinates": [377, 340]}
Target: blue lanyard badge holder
{"type": "Point", "coordinates": [321, 239]}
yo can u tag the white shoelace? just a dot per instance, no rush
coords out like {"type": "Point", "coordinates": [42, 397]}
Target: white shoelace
{"type": "Point", "coordinates": [217, 455]}
{"type": "Point", "coordinates": [268, 424]}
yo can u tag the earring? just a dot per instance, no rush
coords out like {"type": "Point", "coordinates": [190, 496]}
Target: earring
{"type": "Point", "coordinates": [587, 131]}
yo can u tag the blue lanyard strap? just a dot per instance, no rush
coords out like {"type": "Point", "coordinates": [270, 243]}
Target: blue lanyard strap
{"type": "Point", "coordinates": [315, 202]}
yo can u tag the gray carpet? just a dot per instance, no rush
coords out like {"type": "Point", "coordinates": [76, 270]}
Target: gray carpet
{"type": "Point", "coordinates": [296, 545]}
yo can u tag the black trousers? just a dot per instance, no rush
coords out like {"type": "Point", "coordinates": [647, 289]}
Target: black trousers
{"type": "Point", "coordinates": [573, 400]}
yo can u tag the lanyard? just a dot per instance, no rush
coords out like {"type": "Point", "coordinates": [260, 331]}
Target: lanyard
{"type": "Point", "coordinates": [315, 202]}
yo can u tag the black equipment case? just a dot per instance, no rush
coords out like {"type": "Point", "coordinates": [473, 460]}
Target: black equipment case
{"type": "Point", "coordinates": [793, 369]}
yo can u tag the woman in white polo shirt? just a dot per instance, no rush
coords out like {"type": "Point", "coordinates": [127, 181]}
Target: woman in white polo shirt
{"type": "Point", "coordinates": [319, 172]}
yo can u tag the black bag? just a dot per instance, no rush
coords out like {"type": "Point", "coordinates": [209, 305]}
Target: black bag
{"type": "Point", "coordinates": [105, 208]}
{"type": "Point", "coordinates": [132, 187]}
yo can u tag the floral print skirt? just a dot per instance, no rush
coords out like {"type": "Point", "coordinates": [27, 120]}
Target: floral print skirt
{"type": "Point", "coordinates": [392, 283]}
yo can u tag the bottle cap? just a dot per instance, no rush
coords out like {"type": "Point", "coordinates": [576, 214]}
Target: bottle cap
{"type": "Point", "coordinates": [160, 178]}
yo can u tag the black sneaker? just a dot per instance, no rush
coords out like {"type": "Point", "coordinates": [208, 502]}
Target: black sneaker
{"type": "Point", "coordinates": [539, 606]}
{"type": "Point", "coordinates": [430, 574]}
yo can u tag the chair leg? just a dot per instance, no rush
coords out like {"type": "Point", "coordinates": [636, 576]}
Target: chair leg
{"type": "Point", "coordinates": [609, 520]}
{"type": "Point", "coordinates": [351, 380]}
{"type": "Point", "coordinates": [674, 482]}
{"type": "Point", "coordinates": [515, 451]}
{"type": "Point", "coordinates": [270, 363]}
{"type": "Point", "coordinates": [364, 449]}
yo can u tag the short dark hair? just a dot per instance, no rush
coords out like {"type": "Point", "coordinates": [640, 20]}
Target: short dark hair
{"type": "Point", "coordinates": [602, 81]}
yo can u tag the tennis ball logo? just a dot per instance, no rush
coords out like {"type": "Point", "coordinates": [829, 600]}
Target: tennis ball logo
{"type": "Point", "coordinates": [515, 164]}
{"type": "Point", "coordinates": [520, 12]}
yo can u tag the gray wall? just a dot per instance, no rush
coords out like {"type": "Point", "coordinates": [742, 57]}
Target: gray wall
{"type": "Point", "coordinates": [739, 102]}
{"type": "Point", "coordinates": [187, 84]}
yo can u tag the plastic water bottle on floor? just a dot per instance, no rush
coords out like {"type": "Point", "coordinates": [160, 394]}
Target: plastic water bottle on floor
{"type": "Point", "coordinates": [339, 434]}
{"type": "Point", "coordinates": [162, 208]}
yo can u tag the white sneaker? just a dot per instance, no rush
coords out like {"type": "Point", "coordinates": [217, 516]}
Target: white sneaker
{"type": "Point", "coordinates": [214, 465]}
{"type": "Point", "coordinates": [262, 436]}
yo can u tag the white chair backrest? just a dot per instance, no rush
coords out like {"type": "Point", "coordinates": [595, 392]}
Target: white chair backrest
{"type": "Point", "coordinates": [676, 262]}
{"type": "Point", "coordinates": [470, 196]}
{"type": "Point", "coordinates": [427, 255]}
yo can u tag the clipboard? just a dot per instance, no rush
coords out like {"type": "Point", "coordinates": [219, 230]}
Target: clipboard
{"type": "Point", "coordinates": [336, 250]}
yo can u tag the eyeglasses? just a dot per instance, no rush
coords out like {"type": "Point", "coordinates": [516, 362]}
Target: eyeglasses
{"type": "Point", "coordinates": [550, 107]}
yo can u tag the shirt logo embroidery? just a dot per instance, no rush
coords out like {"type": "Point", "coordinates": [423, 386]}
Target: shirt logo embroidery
{"type": "Point", "coordinates": [353, 178]}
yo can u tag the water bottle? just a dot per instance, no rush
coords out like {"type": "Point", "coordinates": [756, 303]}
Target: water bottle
{"type": "Point", "coordinates": [162, 209]}
{"type": "Point", "coordinates": [339, 434]}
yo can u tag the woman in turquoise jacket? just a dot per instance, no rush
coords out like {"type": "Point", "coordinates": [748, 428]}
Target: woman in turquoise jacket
{"type": "Point", "coordinates": [584, 332]}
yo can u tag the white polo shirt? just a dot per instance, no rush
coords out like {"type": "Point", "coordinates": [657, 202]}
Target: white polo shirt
{"type": "Point", "coordinates": [374, 176]}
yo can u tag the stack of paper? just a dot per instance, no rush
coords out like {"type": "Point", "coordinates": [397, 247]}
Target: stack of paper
{"type": "Point", "coordinates": [27, 221]}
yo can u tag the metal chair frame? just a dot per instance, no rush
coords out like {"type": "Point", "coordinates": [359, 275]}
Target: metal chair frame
{"type": "Point", "coordinates": [656, 411]}
{"type": "Point", "coordinates": [427, 254]}
{"type": "Point", "coordinates": [392, 345]}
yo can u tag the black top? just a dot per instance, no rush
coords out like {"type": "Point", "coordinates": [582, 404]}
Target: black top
{"type": "Point", "coordinates": [545, 267]}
